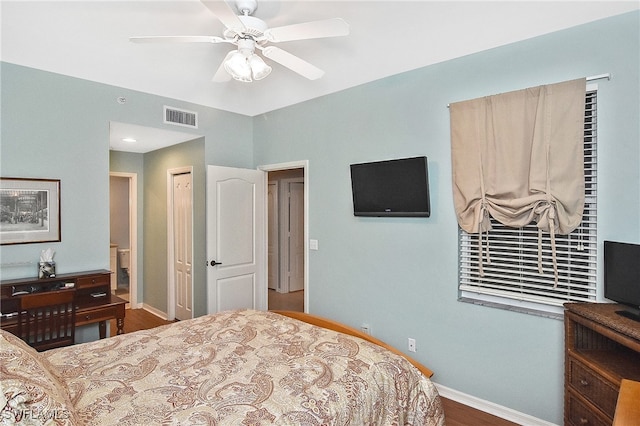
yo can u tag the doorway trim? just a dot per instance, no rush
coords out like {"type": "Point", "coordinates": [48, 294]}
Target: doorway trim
{"type": "Point", "coordinates": [171, 284]}
{"type": "Point", "coordinates": [133, 235]}
{"type": "Point", "coordinates": [273, 210]}
{"type": "Point", "coordinates": [304, 165]}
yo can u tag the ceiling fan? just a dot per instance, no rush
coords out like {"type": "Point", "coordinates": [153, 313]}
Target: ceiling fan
{"type": "Point", "coordinates": [249, 33]}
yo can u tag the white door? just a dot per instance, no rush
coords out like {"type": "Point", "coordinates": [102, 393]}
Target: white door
{"type": "Point", "coordinates": [236, 250]}
{"type": "Point", "coordinates": [183, 247]}
{"type": "Point", "coordinates": [273, 248]}
{"type": "Point", "coordinates": [296, 236]}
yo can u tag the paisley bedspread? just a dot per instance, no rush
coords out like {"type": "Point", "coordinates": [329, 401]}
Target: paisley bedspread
{"type": "Point", "coordinates": [242, 368]}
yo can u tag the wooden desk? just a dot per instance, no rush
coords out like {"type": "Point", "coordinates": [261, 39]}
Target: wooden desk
{"type": "Point", "coordinates": [101, 311]}
{"type": "Point", "coordinates": [94, 301]}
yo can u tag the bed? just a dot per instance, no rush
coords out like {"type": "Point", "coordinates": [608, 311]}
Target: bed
{"type": "Point", "coordinates": [233, 368]}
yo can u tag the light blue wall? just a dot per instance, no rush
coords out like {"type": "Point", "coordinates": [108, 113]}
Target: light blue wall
{"type": "Point", "coordinates": [400, 275]}
{"type": "Point", "coordinates": [48, 132]}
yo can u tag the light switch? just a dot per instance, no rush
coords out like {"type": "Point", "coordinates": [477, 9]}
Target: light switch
{"type": "Point", "coordinates": [313, 244]}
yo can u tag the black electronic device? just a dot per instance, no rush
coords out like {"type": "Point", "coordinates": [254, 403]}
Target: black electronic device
{"type": "Point", "coordinates": [622, 276]}
{"type": "Point", "coordinates": [396, 188]}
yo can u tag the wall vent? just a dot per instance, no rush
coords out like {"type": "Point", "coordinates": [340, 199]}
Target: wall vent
{"type": "Point", "coordinates": [180, 117]}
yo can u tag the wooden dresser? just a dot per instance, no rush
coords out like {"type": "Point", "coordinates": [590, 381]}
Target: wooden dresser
{"type": "Point", "coordinates": [93, 298]}
{"type": "Point", "coordinates": [601, 348]}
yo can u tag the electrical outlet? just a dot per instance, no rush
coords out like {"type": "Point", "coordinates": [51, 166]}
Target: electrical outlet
{"type": "Point", "coordinates": [412, 344]}
{"type": "Point", "coordinates": [365, 328]}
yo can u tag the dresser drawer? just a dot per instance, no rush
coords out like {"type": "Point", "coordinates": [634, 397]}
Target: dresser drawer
{"type": "Point", "coordinates": [94, 281]}
{"type": "Point", "coordinates": [598, 391]}
{"type": "Point", "coordinates": [579, 414]}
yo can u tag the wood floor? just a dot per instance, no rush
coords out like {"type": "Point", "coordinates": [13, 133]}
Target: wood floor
{"type": "Point", "coordinates": [137, 319]}
{"type": "Point", "coordinates": [456, 414]}
{"type": "Point", "coordinates": [293, 301]}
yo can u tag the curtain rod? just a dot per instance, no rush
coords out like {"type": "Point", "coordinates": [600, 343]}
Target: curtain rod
{"type": "Point", "coordinates": [591, 78]}
{"type": "Point", "coordinates": [599, 77]}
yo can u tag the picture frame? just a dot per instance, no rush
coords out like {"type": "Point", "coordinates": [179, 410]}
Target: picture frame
{"type": "Point", "coordinates": [29, 210]}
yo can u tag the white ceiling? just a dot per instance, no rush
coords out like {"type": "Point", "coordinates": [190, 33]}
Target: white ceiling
{"type": "Point", "coordinates": [89, 40]}
{"type": "Point", "coordinates": [140, 139]}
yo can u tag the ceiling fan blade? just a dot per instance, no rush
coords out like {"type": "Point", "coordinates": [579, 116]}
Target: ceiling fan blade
{"type": "Point", "coordinates": [316, 29]}
{"type": "Point", "coordinates": [178, 39]}
{"type": "Point", "coordinates": [222, 76]}
{"type": "Point", "coordinates": [225, 14]}
{"type": "Point", "coordinates": [292, 62]}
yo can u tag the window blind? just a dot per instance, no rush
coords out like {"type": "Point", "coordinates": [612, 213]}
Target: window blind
{"type": "Point", "coordinates": [512, 274]}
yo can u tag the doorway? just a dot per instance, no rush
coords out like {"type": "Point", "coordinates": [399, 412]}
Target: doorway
{"type": "Point", "coordinates": [123, 235]}
{"type": "Point", "coordinates": [287, 263]}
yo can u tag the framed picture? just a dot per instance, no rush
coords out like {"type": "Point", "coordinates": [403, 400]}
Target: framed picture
{"type": "Point", "coordinates": [29, 210]}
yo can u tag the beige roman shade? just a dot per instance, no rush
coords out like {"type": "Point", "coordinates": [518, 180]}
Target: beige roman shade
{"type": "Point", "coordinates": [518, 157]}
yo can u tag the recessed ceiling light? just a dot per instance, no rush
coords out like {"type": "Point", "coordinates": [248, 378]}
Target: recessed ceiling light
{"type": "Point", "coordinates": [128, 140]}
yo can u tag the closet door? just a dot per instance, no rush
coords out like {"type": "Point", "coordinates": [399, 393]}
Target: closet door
{"type": "Point", "coordinates": [183, 245]}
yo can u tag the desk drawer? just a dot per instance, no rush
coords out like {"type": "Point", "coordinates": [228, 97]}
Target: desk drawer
{"type": "Point", "coordinates": [587, 383]}
{"type": "Point", "coordinates": [94, 281]}
{"type": "Point", "coordinates": [96, 315]}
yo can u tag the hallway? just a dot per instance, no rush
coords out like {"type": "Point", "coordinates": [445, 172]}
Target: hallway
{"type": "Point", "coordinates": [293, 301]}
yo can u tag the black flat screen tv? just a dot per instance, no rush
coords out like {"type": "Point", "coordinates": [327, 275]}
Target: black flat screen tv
{"type": "Point", "coordinates": [396, 188]}
{"type": "Point", "coordinates": [622, 276]}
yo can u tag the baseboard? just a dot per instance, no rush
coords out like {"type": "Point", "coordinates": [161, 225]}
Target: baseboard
{"type": "Point", "coordinates": [491, 408]}
{"type": "Point", "coordinates": [155, 311]}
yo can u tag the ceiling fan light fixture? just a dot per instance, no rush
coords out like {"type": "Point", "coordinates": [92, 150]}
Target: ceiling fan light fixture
{"type": "Point", "coordinates": [248, 32]}
{"type": "Point", "coordinates": [258, 67]}
{"type": "Point", "coordinates": [238, 67]}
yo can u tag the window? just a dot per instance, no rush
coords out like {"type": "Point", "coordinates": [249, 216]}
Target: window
{"type": "Point", "coordinates": [511, 279]}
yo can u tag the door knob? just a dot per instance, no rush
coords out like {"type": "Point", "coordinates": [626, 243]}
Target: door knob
{"type": "Point", "coordinates": [214, 263]}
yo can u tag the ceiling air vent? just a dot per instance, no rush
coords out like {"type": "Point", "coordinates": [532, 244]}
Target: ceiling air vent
{"type": "Point", "coordinates": [180, 117]}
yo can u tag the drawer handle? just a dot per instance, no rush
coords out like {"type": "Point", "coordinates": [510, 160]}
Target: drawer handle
{"type": "Point", "coordinates": [88, 317]}
{"type": "Point", "coordinates": [584, 382]}
{"type": "Point", "coordinates": [584, 421]}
